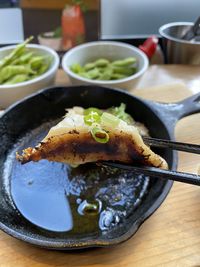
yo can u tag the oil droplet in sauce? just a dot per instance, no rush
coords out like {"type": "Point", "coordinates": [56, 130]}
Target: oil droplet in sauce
{"type": "Point", "coordinates": [89, 207]}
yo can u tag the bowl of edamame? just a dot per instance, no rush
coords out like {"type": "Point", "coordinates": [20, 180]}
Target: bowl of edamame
{"type": "Point", "coordinates": [24, 69]}
{"type": "Point", "coordinates": [106, 63]}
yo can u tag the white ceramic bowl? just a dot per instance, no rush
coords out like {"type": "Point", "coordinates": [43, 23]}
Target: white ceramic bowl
{"type": "Point", "coordinates": [11, 93]}
{"type": "Point", "coordinates": [50, 41]}
{"type": "Point", "coordinates": [105, 49]}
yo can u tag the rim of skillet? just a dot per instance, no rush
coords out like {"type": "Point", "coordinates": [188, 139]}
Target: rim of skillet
{"type": "Point", "coordinates": [99, 242]}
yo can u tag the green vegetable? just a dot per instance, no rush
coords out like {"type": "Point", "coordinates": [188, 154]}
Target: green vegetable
{"type": "Point", "coordinates": [106, 74]}
{"type": "Point", "coordinates": [18, 51]}
{"type": "Point", "coordinates": [46, 65]}
{"type": "Point", "coordinates": [22, 59]}
{"type": "Point", "coordinates": [98, 120]}
{"type": "Point", "coordinates": [99, 135]}
{"type": "Point", "coordinates": [116, 76]}
{"type": "Point", "coordinates": [109, 120]}
{"type": "Point", "coordinates": [93, 74]}
{"type": "Point", "coordinates": [120, 113]}
{"type": "Point", "coordinates": [36, 62]}
{"type": "Point", "coordinates": [103, 69]}
{"type": "Point", "coordinates": [84, 75]}
{"type": "Point", "coordinates": [22, 65]}
{"type": "Point", "coordinates": [128, 71]}
{"type": "Point", "coordinates": [25, 58]}
{"type": "Point", "coordinates": [9, 71]}
{"type": "Point", "coordinates": [76, 68]}
{"type": "Point", "coordinates": [57, 32]}
{"type": "Point", "coordinates": [89, 66]}
{"type": "Point", "coordinates": [102, 62]}
{"type": "Point", "coordinates": [124, 62]}
{"type": "Point", "coordinates": [17, 79]}
{"type": "Point", "coordinates": [92, 117]}
{"type": "Point", "coordinates": [91, 109]}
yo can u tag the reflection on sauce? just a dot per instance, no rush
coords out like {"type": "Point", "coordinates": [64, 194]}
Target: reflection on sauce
{"type": "Point", "coordinates": [40, 198]}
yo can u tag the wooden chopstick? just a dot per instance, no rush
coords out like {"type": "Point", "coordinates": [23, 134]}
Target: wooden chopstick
{"type": "Point", "coordinates": [183, 177]}
{"type": "Point", "coordinates": [191, 148]}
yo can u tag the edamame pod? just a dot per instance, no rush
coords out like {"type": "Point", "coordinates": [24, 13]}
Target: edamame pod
{"type": "Point", "coordinates": [84, 75]}
{"type": "Point", "coordinates": [76, 68]}
{"type": "Point", "coordinates": [45, 66]}
{"type": "Point", "coordinates": [103, 69]}
{"type": "Point", "coordinates": [42, 69]}
{"type": "Point", "coordinates": [19, 78]}
{"type": "Point", "coordinates": [89, 66]}
{"type": "Point", "coordinates": [25, 58]}
{"type": "Point", "coordinates": [117, 76]}
{"type": "Point", "coordinates": [18, 51]}
{"type": "Point", "coordinates": [124, 70]}
{"type": "Point", "coordinates": [36, 62]}
{"type": "Point", "coordinates": [124, 62]}
{"type": "Point", "coordinates": [10, 71]}
{"type": "Point", "coordinates": [107, 74]}
{"type": "Point", "coordinates": [93, 74]}
{"type": "Point", "coordinates": [102, 62]}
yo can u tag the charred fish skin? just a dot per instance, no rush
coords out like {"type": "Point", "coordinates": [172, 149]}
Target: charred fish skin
{"type": "Point", "coordinates": [71, 141]}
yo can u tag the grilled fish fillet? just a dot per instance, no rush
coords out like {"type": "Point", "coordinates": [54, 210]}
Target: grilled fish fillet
{"type": "Point", "coordinates": [70, 141]}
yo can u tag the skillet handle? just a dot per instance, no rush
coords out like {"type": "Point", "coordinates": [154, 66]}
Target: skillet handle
{"type": "Point", "coordinates": [189, 106]}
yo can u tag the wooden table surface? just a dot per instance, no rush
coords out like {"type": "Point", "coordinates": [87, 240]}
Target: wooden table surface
{"type": "Point", "coordinates": [171, 236]}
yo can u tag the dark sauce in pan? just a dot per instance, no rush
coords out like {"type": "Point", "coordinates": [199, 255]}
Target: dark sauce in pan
{"type": "Point", "coordinates": [59, 198]}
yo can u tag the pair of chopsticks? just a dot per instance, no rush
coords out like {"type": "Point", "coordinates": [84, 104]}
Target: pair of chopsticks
{"type": "Point", "coordinates": [159, 173]}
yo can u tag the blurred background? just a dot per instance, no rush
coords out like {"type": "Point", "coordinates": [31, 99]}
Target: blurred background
{"type": "Point", "coordinates": [77, 21]}
{"type": "Point", "coordinates": [39, 17]}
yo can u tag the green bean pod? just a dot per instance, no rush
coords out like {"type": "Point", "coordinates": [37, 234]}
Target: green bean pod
{"type": "Point", "coordinates": [36, 62]}
{"type": "Point", "coordinates": [102, 62]}
{"type": "Point", "coordinates": [103, 69]}
{"type": "Point", "coordinates": [84, 75]}
{"type": "Point", "coordinates": [124, 70]}
{"type": "Point", "coordinates": [42, 69]}
{"type": "Point", "coordinates": [124, 62]}
{"type": "Point", "coordinates": [93, 74]}
{"type": "Point", "coordinates": [18, 51]}
{"type": "Point", "coordinates": [25, 57]}
{"type": "Point", "coordinates": [9, 71]}
{"type": "Point", "coordinates": [89, 66]}
{"type": "Point", "coordinates": [117, 76]}
{"type": "Point", "coordinates": [76, 68]}
{"type": "Point", "coordinates": [107, 74]}
{"type": "Point", "coordinates": [17, 79]}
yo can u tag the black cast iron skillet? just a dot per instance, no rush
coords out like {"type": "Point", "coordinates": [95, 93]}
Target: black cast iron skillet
{"type": "Point", "coordinates": [32, 195]}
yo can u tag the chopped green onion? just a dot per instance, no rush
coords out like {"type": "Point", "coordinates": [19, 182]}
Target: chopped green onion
{"type": "Point", "coordinates": [92, 117]}
{"type": "Point", "coordinates": [89, 110]}
{"type": "Point", "coordinates": [120, 113]}
{"type": "Point", "coordinates": [100, 135]}
{"type": "Point", "coordinates": [109, 120]}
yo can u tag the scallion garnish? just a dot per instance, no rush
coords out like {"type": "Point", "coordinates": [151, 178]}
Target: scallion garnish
{"type": "Point", "coordinates": [91, 118]}
{"type": "Point", "coordinates": [97, 119]}
{"type": "Point", "coordinates": [89, 110]}
{"type": "Point", "coordinates": [109, 120]}
{"type": "Point", "coordinates": [120, 113]}
{"type": "Point", "coordinates": [99, 135]}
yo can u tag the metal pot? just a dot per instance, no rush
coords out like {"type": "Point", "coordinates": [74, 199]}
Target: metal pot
{"type": "Point", "coordinates": [177, 50]}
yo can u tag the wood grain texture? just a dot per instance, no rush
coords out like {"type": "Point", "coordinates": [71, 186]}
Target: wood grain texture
{"type": "Point", "coordinates": [169, 238]}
